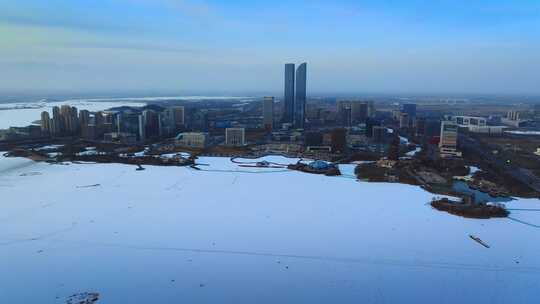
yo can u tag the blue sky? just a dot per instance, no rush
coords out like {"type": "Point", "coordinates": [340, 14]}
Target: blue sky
{"type": "Point", "coordinates": [240, 46]}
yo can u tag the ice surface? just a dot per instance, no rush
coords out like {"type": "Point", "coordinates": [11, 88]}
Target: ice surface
{"type": "Point", "coordinates": [524, 132]}
{"type": "Point", "coordinates": [230, 234]}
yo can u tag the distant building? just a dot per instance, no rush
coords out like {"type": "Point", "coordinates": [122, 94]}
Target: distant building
{"type": "Point", "coordinates": [410, 109]}
{"type": "Point", "coordinates": [513, 118]}
{"type": "Point", "coordinates": [235, 136]}
{"type": "Point", "coordinates": [313, 112]}
{"type": "Point", "coordinates": [119, 137]}
{"type": "Point", "coordinates": [371, 109]}
{"type": "Point", "coordinates": [404, 120]}
{"type": "Point", "coordinates": [89, 131]}
{"type": "Point", "coordinates": [378, 134]}
{"type": "Point", "coordinates": [339, 140]}
{"type": "Point", "coordinates": [167, 123]}
{"type": "Point", "coordinates": [84, 119]}
{"type": "Point", "coordinates": [428, 128]}
{"type": "Point", "coordinates": [87, 127]}
{"type": "Point", "coordinates": [477, 125]}
{"type": "Point", "coordinates": [131, 123]}
{"type": "Point", "coordinates": [171, 120]}
{"type": "Point", "coordinates": [268, 113]}
{"type": "Point", "coordinates": [396, 113]}
{"type": "Point", "coordinates": [488, 130]}
{"type": "Point", "coordinates": [352, 112]}
{"type": "Point", "coordinates": [359, 112]}
{"type": "Point", "coordinates": [344, 114]}
{"type": "Point", "coordinates": [197, 140]}
{"type": "Point", "coordinates": [142, 128]}
{"type": "Point", "coordinates": [151, 123]}
{"type": "Point", "coordinates": [179, 117]}
{"type": "Point", "coordinates": [57, 125]}
{"type": "Point", "coordinates": [288, 96]}
{"type": "Point", "coordinates": [356, 140]}
{"type": "Point", "coordinates": [300, 97]}
{"type": "Point", "coordinates": [466, 121]}
{"type": "Point", "coordinates": [420, 127]}
{"type": "Point", "coordinates": [199, 120]}
{"type": "Point", "coordinates": [45, 122]}
{"type": "Point", "coordinates": [105, 123]}
{"type": "Point", "coordinates": [432, 128]}
{"type": "Point", "coordinates": [513, 115]}
{"type": "Point", "coordinates": [70, 119]}
{"type": "Point", "coordinates": [448, 141]}
{"type": "Point", "coordinates": [370, 123]}
{"type": "Point", "coordinates": [27, 132]}
{"type": "Point", "coordinates": [294, 97]}
{"type": "Point", "coordinates": [99, 118]}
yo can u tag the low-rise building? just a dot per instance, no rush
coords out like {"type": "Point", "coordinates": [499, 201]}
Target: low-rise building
{"type": "Point", "coordinates": [319, 149]}
{"type": "Point", "coordinates": [466, 121]}
{"type": "Point", "coordinates": [488, 130]}
{"type": "Point", "coordinates": [235, 137]}
{"type": "Point", "coordinates": [513, 118]}
{"type": "Point", "coordinates": [120, 137]}
{"type": "Point", "coordinates": [477, 125]}
{"type": "Point", "coordinates": [278, 148]}
{"type": "Point", "coordinates": [448, 141]}
{"type": "Point", "coordinates": [196, 140]}
{"type": "Point", "coordinates": [404, 120]}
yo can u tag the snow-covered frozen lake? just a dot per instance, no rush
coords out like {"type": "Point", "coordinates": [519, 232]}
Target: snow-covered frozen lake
{"type": "Point", "coordinates": [230, 234]}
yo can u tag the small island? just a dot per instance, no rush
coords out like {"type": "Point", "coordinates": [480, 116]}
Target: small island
{"type": "Point", "coordinates": [316, 167]}
{"type": "Point", "coordinates": [469, 209]}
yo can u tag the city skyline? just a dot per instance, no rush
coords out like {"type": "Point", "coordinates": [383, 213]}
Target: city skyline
{"type": "Point", "coordinates": [485, 47]}
{"type": "Point", "coordinates": [236, 151]}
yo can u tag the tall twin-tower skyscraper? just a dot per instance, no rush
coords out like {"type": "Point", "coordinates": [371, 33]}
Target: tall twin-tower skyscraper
{"type": "Point", "coordinates": [295, 97]}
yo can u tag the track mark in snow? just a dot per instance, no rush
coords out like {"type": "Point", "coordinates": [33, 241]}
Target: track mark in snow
{"type": "Point", "coordinates": [368, 261]}
{"type": "Point", "coordinates": [31, 174]}
{"type": "Point", "coordinates": [89, 186]}
{"type": "Point", "coordinates": [40, 237]}
{"type": "Point", "coordinates": [523, 222]}
{"type": "Point", "coordinates": [25, 212]}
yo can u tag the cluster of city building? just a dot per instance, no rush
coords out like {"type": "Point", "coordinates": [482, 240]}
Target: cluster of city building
{"type": "Point", "coordinates": [128, 125]}
{"type": "Point", "coordinates": [290, 124]}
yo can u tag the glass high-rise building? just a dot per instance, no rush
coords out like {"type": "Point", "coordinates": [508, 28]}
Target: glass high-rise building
{"type": "Point", "coordinates": [268, 113]}
{"type": "Point", "coordinates": [288, 98]}
{"type": "Point", "coordinates": [300, 99]}
{"type": "Point", "coordinates": [410, 109]}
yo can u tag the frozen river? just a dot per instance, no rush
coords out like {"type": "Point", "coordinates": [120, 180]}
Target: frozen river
{"type": "Point", "coordinates": [228, 234]}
